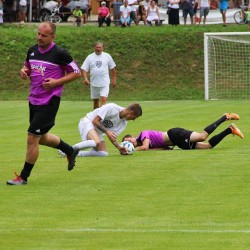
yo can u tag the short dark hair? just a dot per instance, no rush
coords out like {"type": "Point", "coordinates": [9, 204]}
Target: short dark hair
{"type": "Point", "coordinates": [126, 136]}
{"type": "Point", "coordinates": [135, 108]}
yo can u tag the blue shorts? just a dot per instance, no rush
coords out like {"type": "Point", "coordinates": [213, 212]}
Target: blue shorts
{"type": "Point", "coordinates": [127, 20]}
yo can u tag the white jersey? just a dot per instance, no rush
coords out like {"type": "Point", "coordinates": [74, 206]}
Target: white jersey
{"type": "Point", "coordinates": [133, 2]}
{"type": "Point", "coordinates": [125, 10]}
{"type": "Point", "coordinates": [99, 66]}
{"type": "Point", "coordinates": [110, 117]}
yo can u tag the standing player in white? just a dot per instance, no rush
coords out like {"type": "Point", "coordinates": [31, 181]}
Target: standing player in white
{"type": "Point", "coordinates": [110, 119]}
{"type": "Point", "coordinates": [98, 65]}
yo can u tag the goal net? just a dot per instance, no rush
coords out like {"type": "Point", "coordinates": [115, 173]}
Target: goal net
{"type": "Point", "coordinates": [227, 65]}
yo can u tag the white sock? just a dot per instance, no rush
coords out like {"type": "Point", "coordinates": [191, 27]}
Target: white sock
{"type": "Point", "coordinates": [85, 144]}
{"type": "Point", "coordinates": [80, 145]}
{"type": "Point", "coordinates": [92, 153]}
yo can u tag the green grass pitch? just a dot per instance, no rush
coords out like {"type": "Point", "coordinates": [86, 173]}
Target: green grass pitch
{"type": "Point", "coordinates": [150, 200]}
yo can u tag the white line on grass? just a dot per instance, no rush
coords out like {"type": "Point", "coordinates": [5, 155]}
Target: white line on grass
{"type": "Point", "coordinates": [123, 230]}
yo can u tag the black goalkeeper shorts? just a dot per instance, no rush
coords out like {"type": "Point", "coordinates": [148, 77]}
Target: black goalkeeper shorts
{"type": "Point", "coordinates": [181, 138]}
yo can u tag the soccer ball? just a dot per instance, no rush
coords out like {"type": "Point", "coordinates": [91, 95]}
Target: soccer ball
{"type": "Point", "coordinates": [128, 146]}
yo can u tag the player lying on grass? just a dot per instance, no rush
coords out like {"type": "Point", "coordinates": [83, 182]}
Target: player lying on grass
{"type": "Point", "coordinates": [110, 119]}
{"type": "Point", "coordinates": [184, 139]}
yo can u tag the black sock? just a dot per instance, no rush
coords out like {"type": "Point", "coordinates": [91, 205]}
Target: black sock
{"type": "Point", "coordinates": [217, 138]}
{"type": "Point", "coordinates": [65, 148]}
{"type": "Point", "coordinates": [209, 129]}
{"type": "Point", "coordinates": [27, 168]}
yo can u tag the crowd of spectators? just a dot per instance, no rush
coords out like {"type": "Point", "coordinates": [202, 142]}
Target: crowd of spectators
{"type": "Point", "coordinates": [19, 10]}
{"type": "Point", "coordinates": [129, 11]}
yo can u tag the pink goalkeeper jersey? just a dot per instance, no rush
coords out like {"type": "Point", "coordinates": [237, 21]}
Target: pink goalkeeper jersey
{"type": "Point", "coordinates": [155, 139]}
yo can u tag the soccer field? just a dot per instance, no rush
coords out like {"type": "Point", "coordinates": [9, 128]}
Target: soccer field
{"type": "Point", "coordinates": [176, 199]}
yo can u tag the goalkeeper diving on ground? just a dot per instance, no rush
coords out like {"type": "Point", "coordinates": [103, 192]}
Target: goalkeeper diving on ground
{"type": "Point", "coordinates": [184, 139]}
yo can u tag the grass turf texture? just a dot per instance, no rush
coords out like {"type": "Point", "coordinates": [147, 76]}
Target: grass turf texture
{"type": "Point", "coordinates": [153, 63]}
{"type": "Point", "coordinates": [150, 200]}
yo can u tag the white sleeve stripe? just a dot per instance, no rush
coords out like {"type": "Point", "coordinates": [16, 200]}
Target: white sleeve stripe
{"type": "Point", "coordinates": [74, 67]}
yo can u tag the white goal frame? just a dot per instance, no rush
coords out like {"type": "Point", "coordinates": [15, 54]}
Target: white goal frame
{"type": "Point", "coordinates": [211, 65]}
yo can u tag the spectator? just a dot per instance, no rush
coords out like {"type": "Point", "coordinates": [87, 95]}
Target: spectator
{"type": "Point", "coordinates": [109, 3]}
{"type": "Point", "coordinates": [85, 4]}
{"type": "Point", "coordinates": [146, 4]}
{"type": "Point", "coordinates": [153, 14]}
{"type": "Point", "coordinates": [98, 65]}
{"type": "Point", "coordinates": [204, 6]}
{"type": "Point", "coordinates": [22, 10]}
{"type": "Point", "coordinates": [248, 17]}
{"type": "Point", "coordinates": [8, 9]}
{"type": "Point", "coordinates": [125, 14]}
{"type": "Point", "coordinates": [223, 6]}
{"type": "Point", "coordinates": [77, 14]}
{"type": "Point", "coordinates": [132, 4]}
{"type": "Point", "coordinates": [141, 14]}
{"type": "Point", "coordinates": [173, 12]}
{"type": "Point", "coordinates": [188, 9]}
{"type": "Point", "coordinates": [89, 9]}
{"type": "Point", "coordinates": [104, 15]}
{"type": "Point", "coordinates": [195, 6]}
{"type": "Point", "coordinates": [1, 12]}
{"type": "Point", "coordinates": [64, 12]}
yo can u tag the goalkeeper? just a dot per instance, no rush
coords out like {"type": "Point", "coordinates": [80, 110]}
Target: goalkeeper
{"type": "Point", "coordinates": [184, 139]}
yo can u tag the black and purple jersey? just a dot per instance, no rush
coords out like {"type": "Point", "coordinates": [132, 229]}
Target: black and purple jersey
{"type": "Point", "coordinates": [53, 62]}
{"type": "Point", "coordinates": [155, 139]}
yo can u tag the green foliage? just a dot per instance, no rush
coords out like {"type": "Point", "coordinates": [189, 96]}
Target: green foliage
{"type": "Point", "coordinates": [153, 63]}
{"type": "Point", "coordinates": [185, 200]}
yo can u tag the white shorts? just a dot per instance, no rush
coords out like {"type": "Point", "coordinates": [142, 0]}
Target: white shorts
{"type": "Point", "coordinates": [152, 18]}
{"type": "Point", "coordinates": [97, 92]}
{"type": "Point", "coordinates": [84, 126]}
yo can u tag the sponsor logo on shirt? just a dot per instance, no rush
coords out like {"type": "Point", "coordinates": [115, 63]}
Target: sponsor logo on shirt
{"type": "Point", "coordinates": [107, 124]}
{"type": "Point", "coordinates": [98, 64]}
{"type": "Point", "coordinates": [38, 67]}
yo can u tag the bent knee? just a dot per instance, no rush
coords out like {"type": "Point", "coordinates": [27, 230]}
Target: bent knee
{"type": "Point", "coordinates": [203, 136]}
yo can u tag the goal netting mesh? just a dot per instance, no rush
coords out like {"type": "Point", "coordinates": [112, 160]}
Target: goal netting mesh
{"type": "Point", "coordinates": [227, 65]}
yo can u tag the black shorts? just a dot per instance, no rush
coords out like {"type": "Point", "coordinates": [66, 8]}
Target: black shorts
{"type": "Point", "coordinates": [84, 11]}
{"type": "Point", "coordinates": [42, 117]}
{"type": "Point", "coordinates": [181, 138]}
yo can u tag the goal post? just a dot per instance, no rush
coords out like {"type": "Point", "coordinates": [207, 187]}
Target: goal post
{"type": "Point", "coordinates": [227, 65]}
